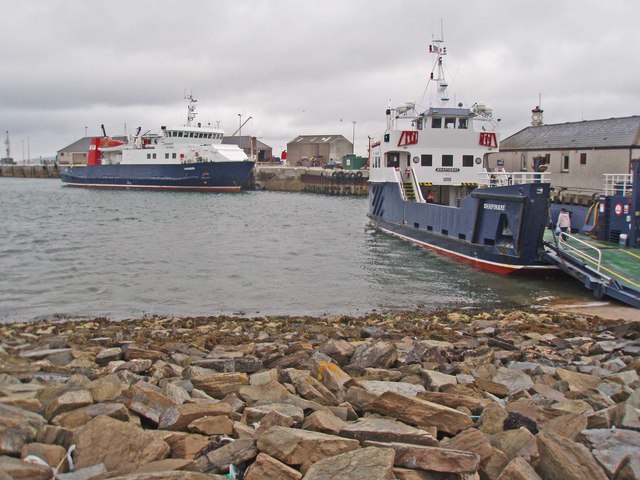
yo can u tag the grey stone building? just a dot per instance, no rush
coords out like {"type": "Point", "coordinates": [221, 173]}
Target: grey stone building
{"type": "Point", "coordinates": [316, 150]}
{"type": "Point", "coordinates": [76, 153]}
{"type": "Point", "coordinates": [253, 147]}
{"type": "Point", "coordinates": [578, 154]}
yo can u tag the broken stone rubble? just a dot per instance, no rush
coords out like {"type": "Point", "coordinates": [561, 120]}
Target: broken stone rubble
{"type": "Point", "coordinates": [418, 395]}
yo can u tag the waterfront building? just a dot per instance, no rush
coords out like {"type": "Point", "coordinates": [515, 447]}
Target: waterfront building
{"type": "Point", "coordinates": [577, 154]}
{"type": "Point", "coordinates": [254, 148]}
{"type": "Point", "coordinates": [316, 150]}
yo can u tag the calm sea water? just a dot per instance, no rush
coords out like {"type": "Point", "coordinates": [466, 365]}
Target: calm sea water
{"type": "Point", "coordinates": [68, 252]}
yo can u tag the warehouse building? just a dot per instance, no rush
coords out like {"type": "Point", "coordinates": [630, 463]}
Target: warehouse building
{"type": "Point", "coordinates": [316, 150]}
{"type": "Point", "coordinates": [253, 147]}
{"type": "Point", "coordinates": [577, 154]}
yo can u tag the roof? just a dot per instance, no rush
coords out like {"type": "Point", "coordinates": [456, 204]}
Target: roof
{"type": "Point", "coordinates": [608, 133]}
{"type": "Point", "coordinates": [244, 141]}
{"type": "Point", "coordinates": [82, 145]}
{"type": "Point", "coordinates": [319, 139]}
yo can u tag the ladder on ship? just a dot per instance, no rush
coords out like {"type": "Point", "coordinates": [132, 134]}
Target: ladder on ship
{"type": "Point", "coordinates": [584, 262]}
{"type": "Point", "coordinates": [409, 192]}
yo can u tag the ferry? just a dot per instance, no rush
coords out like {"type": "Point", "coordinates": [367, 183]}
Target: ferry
{"type": "Point", "coordinates": [430, 184]}
{"type": "Point", "coordinates": [189, 157]}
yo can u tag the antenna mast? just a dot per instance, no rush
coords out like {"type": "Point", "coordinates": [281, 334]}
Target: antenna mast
{"type": "Point", "coordinates": [6, 142]}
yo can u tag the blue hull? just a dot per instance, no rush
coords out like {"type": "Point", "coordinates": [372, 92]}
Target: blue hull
{"type": "Point", "coordinates": [499, 229]}
{"type": "Point", "coordinates": [213, 176]}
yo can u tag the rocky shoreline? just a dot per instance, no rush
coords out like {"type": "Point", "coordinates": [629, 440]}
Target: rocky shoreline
{"type": "Point", "coordinates": [504, 394]}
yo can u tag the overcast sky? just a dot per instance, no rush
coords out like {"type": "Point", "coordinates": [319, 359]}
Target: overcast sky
{"type": "Point", "coordinates": [304, 66]}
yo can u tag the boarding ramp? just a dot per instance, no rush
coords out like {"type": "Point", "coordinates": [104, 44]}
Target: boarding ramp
{"type": "Point", "coordinates": [595, 266]}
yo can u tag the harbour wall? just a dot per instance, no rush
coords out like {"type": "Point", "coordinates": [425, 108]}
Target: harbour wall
{"type": "Point", "coordinates": [312, 180]}
{"type": "Point", "coordinates": [30, 171]}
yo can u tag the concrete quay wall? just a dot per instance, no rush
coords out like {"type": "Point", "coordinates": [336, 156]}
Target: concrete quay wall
{"type": "Point", "coordinates": [30, 171]}
{"type": "Point", "coordinates": [311, 179]}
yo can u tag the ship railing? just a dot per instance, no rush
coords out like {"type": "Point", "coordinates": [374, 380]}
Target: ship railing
{"type": "Point", "coordinates": [398, 175]}
{"type": "Point", "coordinates": [581, 249]}
{"type": "Point", "coordinates": [618, 184]}
{"type": "Point", "coordinates": [416, 186]}
{"type": "Point", "coordinates": [501, 177]}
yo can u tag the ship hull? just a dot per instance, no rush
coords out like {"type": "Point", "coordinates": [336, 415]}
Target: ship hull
{"type": "Point", "coordinates": [498, 229]}
{"type": "Point", "coordinates": [210, 176]}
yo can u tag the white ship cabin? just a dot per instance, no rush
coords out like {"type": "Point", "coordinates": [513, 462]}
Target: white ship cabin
{"type": "Point", "coordinates": [199, 135]}
{"type": "Point", "coordinates": [438, 155]}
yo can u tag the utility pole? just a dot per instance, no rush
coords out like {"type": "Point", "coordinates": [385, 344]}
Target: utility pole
{"type": "Point", "coordinates": [353, 140]}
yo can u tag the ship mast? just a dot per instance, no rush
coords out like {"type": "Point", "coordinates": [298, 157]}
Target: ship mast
{"type": "Point", "coordinates": [6, 142]}
{"type": "Point", "coordinates": [437, 74]}
{"type": "Point", "coordinates": [191, 109]}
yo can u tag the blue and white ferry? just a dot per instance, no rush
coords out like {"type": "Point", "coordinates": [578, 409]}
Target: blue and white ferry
{"type": "Point", "coordinates": [189, 157]}
{"type": "Point", "coordinates": [429, 183]}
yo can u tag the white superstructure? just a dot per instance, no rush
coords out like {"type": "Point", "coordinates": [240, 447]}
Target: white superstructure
{"type": "Point", "coordinates": [442, 146]}
{"type": "Point", "coordinates": [190, 143]}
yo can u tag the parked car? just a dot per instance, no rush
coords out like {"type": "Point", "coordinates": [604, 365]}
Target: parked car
{"type": "Point", "coordinates": [331, 164]}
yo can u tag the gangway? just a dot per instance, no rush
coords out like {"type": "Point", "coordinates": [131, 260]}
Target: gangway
{"type": "Point", "coordinates": [586, 263]}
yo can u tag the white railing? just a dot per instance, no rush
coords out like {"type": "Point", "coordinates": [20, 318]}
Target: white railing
{"type": "Point", "coordinates": [618, 184]}
{"type": "Point", "coordinates": [581, 249]}
{"type": "Point", "coordinates": [501, 177]}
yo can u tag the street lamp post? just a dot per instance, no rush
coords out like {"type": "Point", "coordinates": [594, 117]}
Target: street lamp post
{"type": "Point", "coordinates": [353, 140]}
{"type": "Point", "coordinates": [240, 124]}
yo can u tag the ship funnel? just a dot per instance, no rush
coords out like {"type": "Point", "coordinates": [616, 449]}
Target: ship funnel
{"type": "Point", "coordinates": [93, 155]}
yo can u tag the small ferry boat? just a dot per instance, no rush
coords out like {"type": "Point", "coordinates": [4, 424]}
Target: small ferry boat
{"type": "Point", "coordinates": [429, 183]}
{"type": "Point", "coordinates": [189, 157]}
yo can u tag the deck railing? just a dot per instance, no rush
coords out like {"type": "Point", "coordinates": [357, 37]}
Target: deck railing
{"type": "Point", "coordinates": [581, 249]}
{"type": "Point", "coordinates": [500, 178]}
{"type": "Point", "coordinates": [618, 184]}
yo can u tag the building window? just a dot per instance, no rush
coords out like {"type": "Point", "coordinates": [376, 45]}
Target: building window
{"type": "Point", "coordinates": [583, 159]}
{"type": "Point", "coordinates": [467, 160]}
{"type": "Point", "coordinates": [447, 160]}
{"type": "Point", "coordinates": [450, 122]}
{"type": "Point", "coordinates": [565, 163]}
{"type": "Point", "coordinates": [523, 162]}
{"type": "Point", "coordinates": [427, 160]}
{"type": "Point", "coordinates": [436, 122]}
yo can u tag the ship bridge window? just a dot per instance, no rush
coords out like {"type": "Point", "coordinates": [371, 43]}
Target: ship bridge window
{"type": "Point", "coordinates": [462, 123]}
{"type": "Point", "coordinates": [436, 122]}
{"type": "Point", "coordinates": [180, 134]}
{"type": "Point", "coordinates": [450, 122]}
{"type": "Point", "coordinates": [447, 160]}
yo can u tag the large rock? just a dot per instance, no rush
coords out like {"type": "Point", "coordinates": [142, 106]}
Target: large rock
{"type": "Point", "coordinates": [379, 355]}
{"type": "Point", "coordinates": [371, 463]}
{"type": "Point", "coordinates": [267, 467]}
{"type": "Point", "coordinates": [519, 442]}
{"type": "Point", "coordinates": [220, 384]}
{"type": "Point", "coordinates": [519, 469]}
{"type": "Point", "coordinates": [332, 377]}
{"type": "Point", "coordinates": [387, 430]}
{"type": "Point", "coordinates": [324, 421]}
{"type": "Point", "coordinates": [420, 413]}
{"type": "Point", "coordinates": [14, 469]}
{"type": "Point", "coordinates": [176, 475]}
{"type": "Point", "coordinates": [611, 447]}
{"type": "Point", "coordinates": [252, 415]}
{"type": "Point", "coordinates": [564, 459]}
{"type": "Point", "coordinates": [431, 458]}
{"type": "Point", "coordinates": [455, 400]}
{"type": "Point", "coordinates": [180, 416]}
{"type": "Point", "coordinates": [234, 453]}
{"type": "Point", "coordinates": [147, 402]}
{"type": "Point", "coordinates": [70, 400]}
{"type": "Point", "coordinates": [471, 440]}
{"type": "Point", "coordinates": [302, 447]}
{"type": "Point", "coordinates": [578, 382]}
{"type": "Point", "coordinates": [120, 446]}
{"type": "Point", "coordinates": [378, 387]}
{"type": "Point", "coordinates": [513, 379]}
